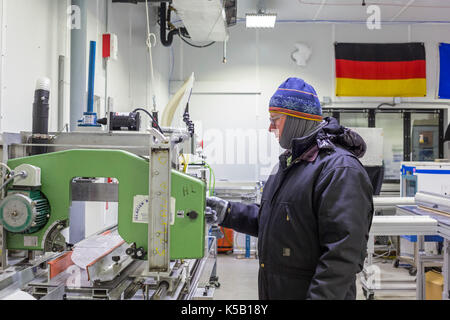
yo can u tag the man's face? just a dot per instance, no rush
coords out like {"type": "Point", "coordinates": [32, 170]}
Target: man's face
{"type": "Point", "coordinates": [277, 122]}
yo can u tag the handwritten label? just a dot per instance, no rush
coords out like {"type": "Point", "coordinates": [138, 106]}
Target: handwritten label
{"type": "Point", "coordinates": [140, 209]}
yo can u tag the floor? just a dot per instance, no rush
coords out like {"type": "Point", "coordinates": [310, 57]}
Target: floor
{"type": "Point", "coordinates": [239, 280]}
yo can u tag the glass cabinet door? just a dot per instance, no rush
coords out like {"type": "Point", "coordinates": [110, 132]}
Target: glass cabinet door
{"type": "Point", "coordinates": [424, 136]}
{"type": "Point", "coordinates": [392, 124]}
{"type": "Point", "coordinates": [354, 120]}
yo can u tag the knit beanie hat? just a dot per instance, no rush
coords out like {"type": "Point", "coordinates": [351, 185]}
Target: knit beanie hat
{"type": "Point", "coordinates": [298, 99]}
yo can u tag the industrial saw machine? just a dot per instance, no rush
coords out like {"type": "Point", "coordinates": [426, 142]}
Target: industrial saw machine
{"type": "Point", "coordinates": [163, 249]}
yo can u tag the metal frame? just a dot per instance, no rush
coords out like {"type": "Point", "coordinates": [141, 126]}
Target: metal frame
{"type": "Point", "coordinates": [446, 269]}
{"type": "Point", "coordinates": [159, 213]}
{"type": "Point", "coordinates": [424, 260]}
{"type": "Point", "coordinates": [444, 231]}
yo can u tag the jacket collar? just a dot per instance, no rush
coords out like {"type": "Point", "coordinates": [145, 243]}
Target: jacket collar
{"type": "Point", "coordinates": [308, 148]}
{"type": "Point", "coordinates": [324, 139]}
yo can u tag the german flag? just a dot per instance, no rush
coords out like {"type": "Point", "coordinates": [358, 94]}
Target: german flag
{"type": "Point", "coordinates": [381, 70]}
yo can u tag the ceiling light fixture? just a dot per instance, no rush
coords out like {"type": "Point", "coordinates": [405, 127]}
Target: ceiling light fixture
{"type": "Point", "coordinates": [261, 20]}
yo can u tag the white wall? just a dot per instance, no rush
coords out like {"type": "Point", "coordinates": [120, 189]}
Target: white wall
{"type": "Point", "coordinates": [261, 60]}
{"type": "Point", "coordinates": [33, 35]}
{"type": "Point", "coordinates": [129, 77]}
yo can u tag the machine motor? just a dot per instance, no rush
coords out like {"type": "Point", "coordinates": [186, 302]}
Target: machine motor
{"type": "Point", "coordinates": [24, 211]}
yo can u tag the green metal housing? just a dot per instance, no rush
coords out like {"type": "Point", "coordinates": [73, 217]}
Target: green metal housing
{"type": "Point", "coordinates": [187, 235]}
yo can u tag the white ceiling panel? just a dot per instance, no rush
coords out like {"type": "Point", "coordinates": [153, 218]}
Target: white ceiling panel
{"type": "Point", "coordinates": [342, 10]}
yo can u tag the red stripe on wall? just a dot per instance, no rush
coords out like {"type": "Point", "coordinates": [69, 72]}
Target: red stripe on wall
{"type": "Point", "coordinates": [369, 70]}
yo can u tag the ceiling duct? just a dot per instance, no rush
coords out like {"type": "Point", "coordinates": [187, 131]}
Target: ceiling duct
{"type": "Point", "coordinates": [231, 12]}
{"type": "Point", "coordinates": [205, 20]}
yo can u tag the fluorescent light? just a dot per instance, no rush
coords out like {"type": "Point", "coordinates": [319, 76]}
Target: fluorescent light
{"type": "Point", "coordinates": [261, 20]}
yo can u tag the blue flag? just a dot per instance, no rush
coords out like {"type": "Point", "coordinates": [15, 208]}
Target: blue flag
{"type": "Point", "coordinates": [444, 82]}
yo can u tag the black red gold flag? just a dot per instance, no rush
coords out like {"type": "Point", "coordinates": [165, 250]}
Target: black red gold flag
{"type": "Point", "coordinates": [381, 70]}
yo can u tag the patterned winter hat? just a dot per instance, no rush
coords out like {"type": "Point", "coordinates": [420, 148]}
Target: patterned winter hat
{"type": "Point", "coordinates": [298, 99]}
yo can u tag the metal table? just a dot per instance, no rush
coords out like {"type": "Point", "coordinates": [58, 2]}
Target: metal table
{"type": "Point", "coordinates": [443, 230]}
{"type": "Point", "coordinates": [398, 225]}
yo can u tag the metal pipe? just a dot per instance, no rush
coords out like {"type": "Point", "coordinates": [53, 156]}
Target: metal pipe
{"type": "Point", "coordinates": [91, 81]}
{"type": "Point", "coordinates": [78, 60]}
{"type": "Point", "coordinates": [161, 292]}
{"type": "Point", "coordinates": [61, 92]}
{"type": "Point", "coordinates": [41, 108]}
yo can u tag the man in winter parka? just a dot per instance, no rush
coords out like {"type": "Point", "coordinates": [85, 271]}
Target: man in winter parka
{"type": "Point", "coordinates": [316, 209]}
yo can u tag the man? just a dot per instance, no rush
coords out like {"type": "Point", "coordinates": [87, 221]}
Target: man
{"type": "Point", "coordinates": [316, 209]}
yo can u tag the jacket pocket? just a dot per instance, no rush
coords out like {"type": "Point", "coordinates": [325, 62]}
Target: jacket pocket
{"type": "Point", "coordinates": [301, 238]}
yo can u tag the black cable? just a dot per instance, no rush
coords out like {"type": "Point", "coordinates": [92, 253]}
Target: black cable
{"type": "Point", "coordinates": [187, 120]}
{"type": "Point", "coordinates": [153, 119]}
{"type": "Point", "coordinates": [386, 104]}
{"type": "Point", "coordinates": [196, 46]}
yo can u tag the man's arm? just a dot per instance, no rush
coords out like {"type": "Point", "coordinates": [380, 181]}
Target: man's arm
{"type": "Point", "coordinates": [344, 204]}
{"type": "Point", "coordinates": [242, 217]}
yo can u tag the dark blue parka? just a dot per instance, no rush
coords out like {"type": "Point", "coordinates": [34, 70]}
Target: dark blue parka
{"type": "Point", "coordinates": [314, 219]}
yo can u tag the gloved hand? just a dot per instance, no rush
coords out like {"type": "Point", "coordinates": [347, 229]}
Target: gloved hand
{"type": "Point", "coordinates": [211, 216]}
{"type": "Point", "coordinates": [219, 206]}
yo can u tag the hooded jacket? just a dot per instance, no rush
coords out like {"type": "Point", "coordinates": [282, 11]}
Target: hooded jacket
{"type": "Point", "coordinates": [314, 219]}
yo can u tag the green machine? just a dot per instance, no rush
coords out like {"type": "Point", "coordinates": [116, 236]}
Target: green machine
{"type": "Point", "coordinates": [159, 224]}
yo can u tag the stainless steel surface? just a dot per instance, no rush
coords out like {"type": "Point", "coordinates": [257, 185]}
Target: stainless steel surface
{"type": "Point", "coordinates": [134, 142]}
{"type": "Point", "coordinates": [161, 292]}
{"type": "Point", "coordinates": [208, 265]}
{"type": "Point", "coordinates": [55, 294]}
{"type": "Point", "coordinates": [112, 290]}
{"type": "Point", "coordinates": [96, 192]}
{"type": "Point", "coordinates": [17, 277]}
{"type": "Point", "coordinates": [105, 269]}
{"type": "Point", "coordinates": [159, 212]}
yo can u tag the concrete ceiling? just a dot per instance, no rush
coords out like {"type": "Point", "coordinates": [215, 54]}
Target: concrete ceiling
{"type": "Point", "coordinates": [344, 10]}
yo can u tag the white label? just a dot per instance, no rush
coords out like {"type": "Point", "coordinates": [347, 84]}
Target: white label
{"type": "Point", "coordinates": [140, 209]}
{"type": "Point", "coordinates": [172, 210]}
{"type": "Point", "coordinates": [30, 241]}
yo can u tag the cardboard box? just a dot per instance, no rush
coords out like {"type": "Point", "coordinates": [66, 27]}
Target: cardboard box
{"type": "Point", "coordinates": [434, 286]}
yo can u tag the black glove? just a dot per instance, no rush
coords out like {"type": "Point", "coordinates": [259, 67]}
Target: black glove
{"type": "Point", "coordinates": [211, 216]}
{"type": "Point", "coordinates": [219, 206]}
